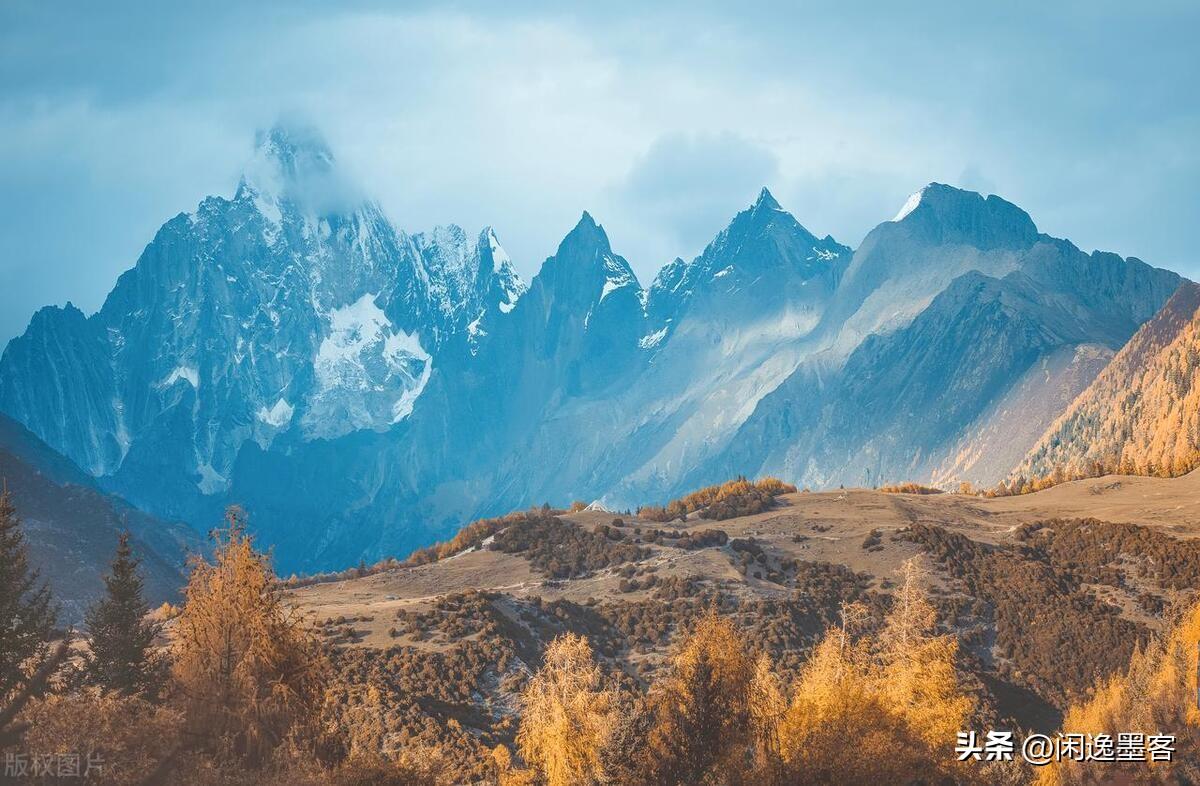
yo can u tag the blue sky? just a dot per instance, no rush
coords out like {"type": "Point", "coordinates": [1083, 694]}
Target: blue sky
{"type": "Point", "coordinates": [662, 121]}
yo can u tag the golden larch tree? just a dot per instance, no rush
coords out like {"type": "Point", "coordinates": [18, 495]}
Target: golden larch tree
{"type": "Point", "coordinates": [251, 674]}
{"type": "Point", "coordinates": [567, 715]}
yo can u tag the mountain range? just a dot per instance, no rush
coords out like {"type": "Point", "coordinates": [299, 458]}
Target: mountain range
{"type": "Point", "coordinates": [363, 391]}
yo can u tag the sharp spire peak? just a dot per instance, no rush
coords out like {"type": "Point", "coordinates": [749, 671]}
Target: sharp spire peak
{"type": "Point", "coordinates": [292, 161]}
{"type": "Point", "coordinates": [766, 199]}
{"type": "Point", "coordinates": [588, 229]}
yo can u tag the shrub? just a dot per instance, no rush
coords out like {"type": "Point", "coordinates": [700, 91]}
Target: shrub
{"type": "Point", "coordinates": [909, 488]}
{"type": "Point", "coordinates": [562, 550]}
{"type": "Point", "coordinates": [738, 497]}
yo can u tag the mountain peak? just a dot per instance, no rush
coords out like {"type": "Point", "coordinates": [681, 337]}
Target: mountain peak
{"type": "Point", "coordinates": [294, 148]}
{"type": "Point", "coordinates": [293, 162]}
{"type": "Point", "coordinates": [493, 255]}
{"type": "Point", "coordinates": [910, 204]}
{"type": "Point", "coordinates": [764, 217]}
{"type": "Point", "coordinates": [957, 215]}
{"type": "Point", "coordinates": [586, 233]}
{"type": "Point", "coordinates": [766, 200]}
{"type": "Point", "coordinates": [584, 270]}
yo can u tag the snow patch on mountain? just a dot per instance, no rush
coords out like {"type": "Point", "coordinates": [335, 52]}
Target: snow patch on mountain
{"type": "Point", "coordinates": [278, 415]}
{"type": "Point", "coordinates": [353, 328]}
{"type": "Point", "coordinates": [616, 276]}
{"type": "Point", "coordinates": [910, 205]}
{"type": "Point", "coordinates": [211, 481]}
{"type": "Point", "coordinates": [610, 286]}
{"type": "Point", "coordinates": [512, 287]}
{"type": "Point", "coordinates": [654, 339]}
{"type": "Point", "coordinates": [188, 374]}
{"type": "Point", "coordinates": [403, 406]}
{"type": "Point", "coordinates": [500, 260]}
{"type": "Point", "coordinates": [403, 350]}
{"type": "Point", "coordinates": [369, 373]}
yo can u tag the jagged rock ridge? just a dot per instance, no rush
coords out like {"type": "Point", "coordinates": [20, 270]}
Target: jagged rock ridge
{"type": "Point", "coordinates": [363, 391]}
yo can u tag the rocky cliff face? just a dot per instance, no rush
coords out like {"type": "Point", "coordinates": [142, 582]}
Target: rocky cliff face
{"type": "Point", "coordinates": [293, 311]}
{"type": "Point", "coordinates": [363, 391]}
{"type": "Point", "coordinates": [908, 402]}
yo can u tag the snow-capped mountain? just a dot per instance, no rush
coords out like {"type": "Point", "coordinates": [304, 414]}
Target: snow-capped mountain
{"type": "Point", "coordinates": [471, 279]}
{"type": "Point", "coordinates": [292, 311]}
{"type": "Point", "coordinates": [758, 259]}
{"type": "Point", "coordinates": [363, 391]}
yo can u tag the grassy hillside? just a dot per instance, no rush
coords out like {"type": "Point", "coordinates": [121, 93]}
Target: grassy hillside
{"type": "Point", "coordinates": [452, 644]}
{"type": "Point", "coordinates": [565, 647]}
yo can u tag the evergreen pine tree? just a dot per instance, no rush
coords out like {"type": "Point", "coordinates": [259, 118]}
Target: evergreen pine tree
{"type": "Point", "coordinates": [27, 616]}
{"type": "Point", "coordinates": [122, 659]}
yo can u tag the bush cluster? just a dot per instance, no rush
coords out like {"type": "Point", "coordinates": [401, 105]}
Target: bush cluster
{"type": "Point", "coordinates": [727, 498]}
{"type": "Point", "coordinates": [1055, 636]}
{"type": "Point", "coordinates": [563, 550]}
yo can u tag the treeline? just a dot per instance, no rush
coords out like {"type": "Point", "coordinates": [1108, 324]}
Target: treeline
{"type": "Point", "coordinates": [235, 689]}
{"type": "Point", "coordinates": [1096, 468]}
{"type": "Point", "coordinates": [908, 488]}
{"type": "Point", "coordinates": [881, 708]}
{"type": "Point", "coordinates": [734, 498]}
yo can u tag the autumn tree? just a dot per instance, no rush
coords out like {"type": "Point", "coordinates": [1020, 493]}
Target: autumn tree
{"type": "Point", "coordinates": [896, 695]}
{"type": "Point", "coordinates": [767, 705]}
{"type": "Point", "coordinates": [1154, 695]}
{"type": "Point", "coordinates": [121, 655]}
{"type": "Point", "coordinates": [252, 675]}
{"type": "Point", "coordinates": [567, 715]}
{"type": "Point", "coordinates": [919, 675]}
{"type": "Point", "coordinates": [27, 614]}
{"type": "Point", "coordinates": [701, 711]}
{"type": "Point", "coordinates": [836, 699]}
